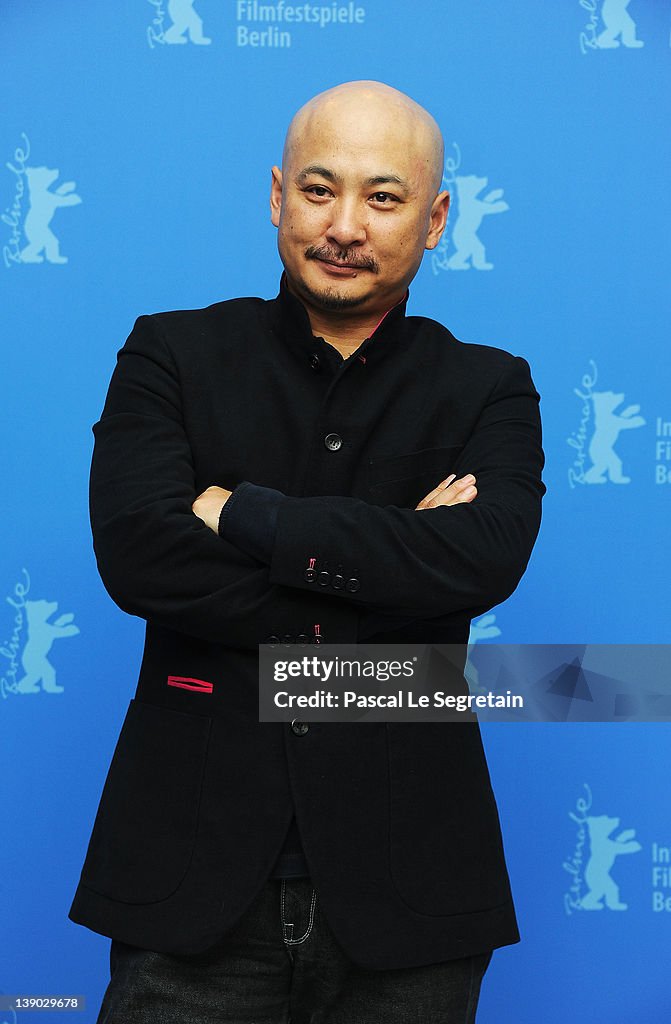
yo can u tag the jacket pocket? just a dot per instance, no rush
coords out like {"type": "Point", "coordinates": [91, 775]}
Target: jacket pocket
{"type": "Point", "coordinates": [446, 852]}
{"type": "Point", "coordinates": [405, 479]}
{"type": "Point", "coordinates": [145, 829]}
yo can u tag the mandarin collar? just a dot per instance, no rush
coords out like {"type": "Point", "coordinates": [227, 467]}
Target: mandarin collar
{"type": "Point", "coordinates": [293, 323]}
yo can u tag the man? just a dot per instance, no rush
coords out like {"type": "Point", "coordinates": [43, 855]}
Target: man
{"type": "Point", "coordinates": [297, 471]}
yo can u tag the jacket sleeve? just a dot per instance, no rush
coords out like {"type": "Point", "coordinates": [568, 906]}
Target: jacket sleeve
{"type": "Point", "coordinates": [156, 558]}
{"type": "Point", "coordinates": [435, 561]}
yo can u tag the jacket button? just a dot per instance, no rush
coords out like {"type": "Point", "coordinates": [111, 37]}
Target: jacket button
{"type": "Point", "coordinates": [333, 442]}
{"type": "Point", "coordinates": [302, 638]}
{"type": "Point", "coordinates": [299, 728]}
{"type": "Point", "coordinates": [287, 639]}
{"type": "Point", "coordinates": [324, 579]}
{"type": "Point", "coordinates": [309, 575]}
{"type": "Point", "coordinates": [315, 361]}
{"type": "Point", "coordinates": [353, 585]}
{"type": "Point", "coordinates": [338, 582]}
{"type": "Point", "coordinates": [272, 639]}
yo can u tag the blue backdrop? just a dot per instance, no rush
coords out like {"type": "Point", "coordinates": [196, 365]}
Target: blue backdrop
{"type": "Point", "coordinates": [136, 140]}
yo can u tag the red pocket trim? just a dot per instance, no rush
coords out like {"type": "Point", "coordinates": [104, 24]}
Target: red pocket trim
{"type": "Point", "coordinates": [187, 683]}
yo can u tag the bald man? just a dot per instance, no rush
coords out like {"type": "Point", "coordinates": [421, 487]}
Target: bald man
{"type": "Point", "coordinates": [319, 467]}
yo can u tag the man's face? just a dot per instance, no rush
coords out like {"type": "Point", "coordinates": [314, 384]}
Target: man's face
{"type": "Point", "coordinates": [355, 208]}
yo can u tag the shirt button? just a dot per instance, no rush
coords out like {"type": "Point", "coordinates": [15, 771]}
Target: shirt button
{"type": "Point", "coordinates": [299, 728]}
{"type": "Point", "coordinates": [333, 442]}
{"type": "Point", "coordinates": [315, 362]}
{"type": "Point", "coordinates": [324, 579]}
{"type": "Point", "coordinates": [338, 582]}
{"type": "Point", "coordinates": [353, 585]}
{"type": "Point", "coordinates": [287, 639]}
{"type": "Point", "coordinates": [302, 638]}
{"type": "Point", "coordinates": [272, 639]}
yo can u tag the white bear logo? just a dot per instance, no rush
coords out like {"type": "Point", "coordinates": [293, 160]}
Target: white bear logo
{"type": "Point", "coordinates": [607, 426]}
{"type": "Point", "coordinates": [185, 19]}
{"type": "Point", "coordinates": [603, 851]}
{"type": "Point", "coordinates": [471, 211]}
{"type": "Point", "coordinates": [41, 635]}
{"type": "Point", "coordinates": [43, 205]}
{"type": "Point", "coordinates": [618, 22]}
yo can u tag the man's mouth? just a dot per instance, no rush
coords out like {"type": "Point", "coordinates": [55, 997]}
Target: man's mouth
{"type": "Point", "coordinates": [339, 263]}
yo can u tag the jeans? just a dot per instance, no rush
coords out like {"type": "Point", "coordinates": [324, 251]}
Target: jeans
{"type": "Point", "coordinates": [281, 964]}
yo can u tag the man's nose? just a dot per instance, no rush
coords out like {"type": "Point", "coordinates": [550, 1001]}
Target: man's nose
{"type": "Point", "coordinates": [348, 223]}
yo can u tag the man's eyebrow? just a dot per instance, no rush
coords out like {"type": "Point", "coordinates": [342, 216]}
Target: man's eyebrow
{"type": "Point", "coordinates": [322, 172]}
{"type": "Point", "coordinates": [387, 179]}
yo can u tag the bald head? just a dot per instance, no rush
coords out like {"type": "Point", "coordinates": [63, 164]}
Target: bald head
{"type": "Point", "coordinates": [366, 113]}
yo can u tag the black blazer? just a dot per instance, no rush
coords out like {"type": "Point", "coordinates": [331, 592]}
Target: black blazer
{"type": "Point", "coordinates": [398, 820]}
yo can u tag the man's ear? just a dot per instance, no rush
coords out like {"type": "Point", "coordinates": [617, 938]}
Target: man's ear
{"type": "Point", "coordinates": [438, 219]}
{"type": "Point", "coordinates": [275, 195]}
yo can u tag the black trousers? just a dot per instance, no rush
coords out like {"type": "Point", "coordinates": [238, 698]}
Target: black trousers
{"type": "Point", "coordinates": [281, 964]}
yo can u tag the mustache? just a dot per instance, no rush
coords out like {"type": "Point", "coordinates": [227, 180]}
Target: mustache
{"type": "Point", "coordinates": [346, 256]}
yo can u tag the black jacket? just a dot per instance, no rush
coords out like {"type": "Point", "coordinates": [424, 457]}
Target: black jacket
{"type": "Point", "coordinates": [398, 820]}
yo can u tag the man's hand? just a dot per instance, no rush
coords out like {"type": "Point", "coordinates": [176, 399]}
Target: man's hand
{"type": "Point", "coordinates": [209, 504]}
{"type": "Point", "coordinates": [450, 492]}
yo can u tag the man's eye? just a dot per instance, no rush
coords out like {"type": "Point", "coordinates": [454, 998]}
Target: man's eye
{"type": "Point", "coordinates": [318, 190]}
{"type": "Point", "coordinates": [384, 198]}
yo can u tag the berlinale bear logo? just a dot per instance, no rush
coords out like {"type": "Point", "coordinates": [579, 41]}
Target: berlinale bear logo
{"type": "Point", "coordinates": [41, 635]}
{"type": "Point", "coordinates": [603, 851]}
{"type": "Point", "coordinates": [607, 426]}
{"type": "Point", "coordinates": [187, 25]}
{"type": "Point", "coordinates": [592, 871]}
{"type": "Point", "coordinates": [462, 248]}
{"type": "Point", "coordinates": [619, 26]}
{"type": "Point", "coordinates": [601, 413]}
{"type": "Point", "coordinates": [472, 209]}
{"type": "Point", "coordinates": [27, 665]}
{"type": "Point", "coordinates": [43, 205]}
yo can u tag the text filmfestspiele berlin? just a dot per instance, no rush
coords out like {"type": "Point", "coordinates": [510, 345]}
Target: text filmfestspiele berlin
{"type": "Point", "coordinates": [279, 15]}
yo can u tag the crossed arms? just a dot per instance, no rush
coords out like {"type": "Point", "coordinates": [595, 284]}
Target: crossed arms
{"type": "Point", "coordinates": [209, 505]}
{"type": "Point", "coordinates": [160, 559]}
